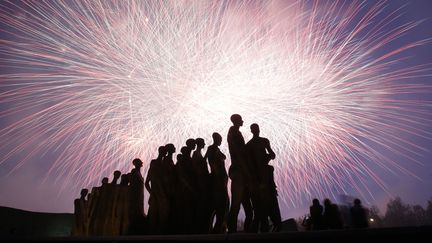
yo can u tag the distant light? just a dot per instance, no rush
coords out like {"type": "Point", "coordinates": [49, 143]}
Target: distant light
{"type": "Point", "coordinates": [146, 20]}
{"type": "Point", "coordinates": [372, 220]}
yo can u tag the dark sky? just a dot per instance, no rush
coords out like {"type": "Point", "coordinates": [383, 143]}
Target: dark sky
{"type": "Point", "coordinates": [27, 188]}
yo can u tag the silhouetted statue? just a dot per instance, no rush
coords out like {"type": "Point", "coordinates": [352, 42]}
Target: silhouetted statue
{"type": "Point", "coordinates": [110, 205]}
{"type": "Point", "coordinates": [116, 177]}
{"type": "Point", "coordinates": [158, 200]}
{"type": "Point", "coordinates": [219, 180]}
{"type": "Point", "coordinates": [316, 214]}
{"type": "Point", "coordinates": [332, 217]}
{"type": "Point", "coordinates": [97, 208]}
{"type": "Point", "coordinates": [122, 209]}
{"type": "Point", "coordinates": [238, 172]}
{"type": "Point", "coordinates": [136, 204]}
{"type": "Point", "coordinates": [168, 167]}
{"type": "Point", "coordinates": [202, 211]}
{"type": "Point", "coordinates": [170, 183]}
{"type": "Point", "coordinates": [359, 215]}
{"type": "Point", "coordinates": [262, 185]}
{"type": "Point", "coordinates": [186, 192]}
{"type": "Point", "coordinates": [275, 215]}
{"type": "Point", "coordinates": [81, 215]}
{"type": "Point", "coordinates": [190, 145]}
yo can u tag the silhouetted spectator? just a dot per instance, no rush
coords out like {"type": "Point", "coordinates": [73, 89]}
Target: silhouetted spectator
{"type": "Point", "coordinates": [219, 180]}
{"type": "Point", "coordinates": [316, 214]}
{"type": "Point", "coordinates": [239, 175]}
{"type": "Point", "coordinates": [359, 215]}
{"type": "Point", "coordinates": [332, 216]}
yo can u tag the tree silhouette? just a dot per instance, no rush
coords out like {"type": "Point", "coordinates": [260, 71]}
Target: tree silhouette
{"type": "Point", "coordinates": [399, 214]}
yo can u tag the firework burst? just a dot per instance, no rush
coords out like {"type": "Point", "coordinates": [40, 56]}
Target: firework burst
{"type": "Point", "coordinates": [99, 83]}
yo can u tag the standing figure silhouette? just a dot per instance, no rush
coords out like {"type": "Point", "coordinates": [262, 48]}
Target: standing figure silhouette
{"type": "Point", "coordinates": [262, 186]}
{"type": "Point", "coordinates": [218, 182]}
{"type": "Point", "coordinates": [136, 204]}
{"type": "Point", "coordinates": [239, 175]}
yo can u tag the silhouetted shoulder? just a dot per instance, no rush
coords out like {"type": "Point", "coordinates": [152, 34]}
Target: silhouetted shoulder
{"type": "Point", "coordinates": [231, 131]}
{"type": "Point", "coordinates": [264, 140]}
{"type": "Point", "coordinates": [153, 163]}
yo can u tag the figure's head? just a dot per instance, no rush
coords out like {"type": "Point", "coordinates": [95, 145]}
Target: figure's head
{"type": "Point", "coordinates": [315, 201]}
{"type": "Point", "coordinates": [117, 174]}
{"type": "Point", "coordinates": [237, 120]}
{"type": "Point", "coordinates": [217, 138]}
{"type": "Point", "coordinates": [124, 180]}
{"type": "Point", "coordinates": [190, 143]}
{"type": "Point", "coordinates": [84, 192]}
{"type": "Point", "coordinates": [184, 150]}
{"type": "Point", "coordinates": [162, 150]}
{"type": "Point", "coordinates": [357, 202]}
{"type": "Point", "coordinates": [200, 142]}
{"type": "Point", "coordinates": [137, 163]}
{"type": "Point", "coordinates": [327, 202]}
{"type": "Point", "coordinates": [179, 157]}
{"type": "Point", "coordinates": [170, 148]}
{"type": "Point", "coordinates": [105, 180]}
{"type": "Point", "coordinates": [255, 129]}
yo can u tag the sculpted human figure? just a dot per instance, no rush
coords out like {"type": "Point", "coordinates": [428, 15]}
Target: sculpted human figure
{"type": "Point", "coordinates": [136, 204]}
{"type": "Point", "coordinates": [81, 214]}
{"type": "Point", "coordinates": [262, 185]}
{"type": "Point", "coordinates": [239, 174]}
{"type": "Point", "coordinates": [158, 200]}
{"type": "Point", "coordinates": [218, 182]}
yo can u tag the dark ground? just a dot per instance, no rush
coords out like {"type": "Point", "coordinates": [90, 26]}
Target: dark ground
{"type": "Point", "coordinates": [386, 235]}
{"type": "Point", "coordinates": [31, 226]}
{"type": "Point", "coordinates": [18, 223]}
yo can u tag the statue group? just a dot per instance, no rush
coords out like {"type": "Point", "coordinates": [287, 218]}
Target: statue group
{"type": "Point", "coordinates": [185, 197]}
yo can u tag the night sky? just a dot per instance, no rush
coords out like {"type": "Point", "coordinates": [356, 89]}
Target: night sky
{"type": "Point", "coordinates": [33, 184]}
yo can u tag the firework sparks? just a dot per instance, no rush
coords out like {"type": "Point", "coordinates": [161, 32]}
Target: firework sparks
{"type": "Point", "coordinates": [102, 82]}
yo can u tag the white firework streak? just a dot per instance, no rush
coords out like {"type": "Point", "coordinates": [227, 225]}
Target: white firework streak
{"type": "Point", "coordinates": [103, 82]}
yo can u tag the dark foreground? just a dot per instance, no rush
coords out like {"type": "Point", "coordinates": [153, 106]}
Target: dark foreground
{"type": "Point", "coordinates": [404, 234]}
{"type": "Point", "coordinates": [23, 225]}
